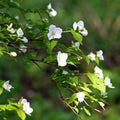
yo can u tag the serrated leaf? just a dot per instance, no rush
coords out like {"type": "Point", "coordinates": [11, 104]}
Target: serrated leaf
{"type": "Point", "coordinates": [21, 114]}
{"type": "Point", "coordinates": [77, 36]}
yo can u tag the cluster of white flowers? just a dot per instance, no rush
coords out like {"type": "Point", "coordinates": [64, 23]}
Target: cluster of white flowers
{"type": "Point", "coordinates": [80, 27]}
{"type": "Point", "coordinates": [7, 86]}
{"type": "Point", "coordinates": [80, 96]}
{"type": "Point", "coordinates": [99, 74]}
{"type": "Point", "coordinates": [20, 34]}
{"type": "Point", "coordinates": [54, 32]}
{"type": "Point", "coordinates": [52, 12]}
{"type": "Point", "coordinates": [61, 58]}
{"type": "Point", "coordinates": [99, 54]}
{"type": "Point", "coordinates": [26, 106]}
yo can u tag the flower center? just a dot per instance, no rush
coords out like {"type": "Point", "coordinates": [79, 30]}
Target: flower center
{"type": "Point", "coordinates": [53, 33]}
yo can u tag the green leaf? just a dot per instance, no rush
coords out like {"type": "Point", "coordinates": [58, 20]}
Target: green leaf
{"type": "Point", "coordinates": [2, 36]}
{"type": "Point", "coordinates": [50, 58]}
{"type": "Point", "coordinates": [1, 53]}
{"type": "Point", "coordinates": [53, 44]}
{"type": "Point", "coordinates": [2, 107]}
{"type": "Point", "coordinates": [72, 98]}
{"type": "Point", "coordinates": [74, 79]}
{"type": "Point", "coordinates": [98, 83]}
{"type": "Point", "coordinates": [73, 61]}
{"type": "Point", "coordinates": [10, 107]}
{"type": "Point", "coordinates": [77, 36]}
{"type": "Point", "coordinates": [86, 111]}
{"type": "Point", "coordinates": [86, 89]}
{"type": "Point", "coordinates": [1, 90]}
{"type": "Point", "coordinates": [21, 114]}
{"type": "Point", "coordinates": [76, 109]}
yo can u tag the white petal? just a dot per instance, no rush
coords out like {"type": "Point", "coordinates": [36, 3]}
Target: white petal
{"type": "Point", "coordinates": [20, 32]}
{"type": "Point", "coordinates": [53, 13]}
{"type": "Point", "coordinates": [25, 40]}
{"type": "Point", "coordinates": [77, 44]}
{"type": "Point", "coordinates": [64, 72]}
{"type": "Point", "coordinates": [75, 26]}
{"type": "Point", "coordinates": [84, 32]}
{"type": "Point", "coordinates": [100, 54]}
{"type": "Point", "coordinates": [80, 96]}
{"type": "Point", "coordinates": [80, 24]}
{"type": "Point", "coordinates": [49, 6]}
{"type": "Point", "coordinates": [23, 48]}
{"type": "Point", "coordinates": [92, 56]}
{"type": "Point", "coordinates": [12, 30]}
{"type": "Point", "coordinates": [7, 86]}
{"type": "Point", "coordinates": [61, 58]}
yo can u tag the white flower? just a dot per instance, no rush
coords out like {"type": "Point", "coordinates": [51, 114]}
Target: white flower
{"type": "Point", "coordinates": [102, 105]}
{"type": "Point", "coordinates": [11, 0]}
{"type": "Point", "coordinates": [24, 101]}
{"type": "Point", "coordinates": [26, 106]}
{"type": "Point", "coordinates": [29, 26]}
{"type": "Point", "coordinates": [20, 32]}
{"type": "Point", "coordinates": [104, 94]}
{"type": "Point", "coordinates": [25, 40]}
{"type": "Point", "coordinates": [92, 56]}
{"type": "Point", "coordinates": [7, 86]}
{"type": "Point", "coordinates": [17, 17]}
{"type": "Point", "coordinates": [10, 29]}
{"type": "Point", "coordinates": [99, 72]}
{"type": "Point", "coordinates": [23, 48]}
{"type": "Point", "coordinates": [108, 83]}
{"type": "Point", "coordinates": [64, 72]}
{"type": "Point", "coordinates": [77, 44]}
{"type": "Point", "coordinates": [100, 54]}
{"type": "Point", "coordinates": [61, 58]}
{"type": "Point", "coordinates": [80, 96]}
{"type": "Point", "coordinates": [49, 6]}
{"type": "Point", "coordinates": [80, 27]}
{"type": "Point", "coordinates": [52, 12]}
{"type": "Point", "coordinates": [14, 54]}
{"type": "Point", "coordinates": [54, 32]}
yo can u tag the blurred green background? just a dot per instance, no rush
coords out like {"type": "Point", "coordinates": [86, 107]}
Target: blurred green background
{"type": "Point", "coordinates": [102, 20]}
